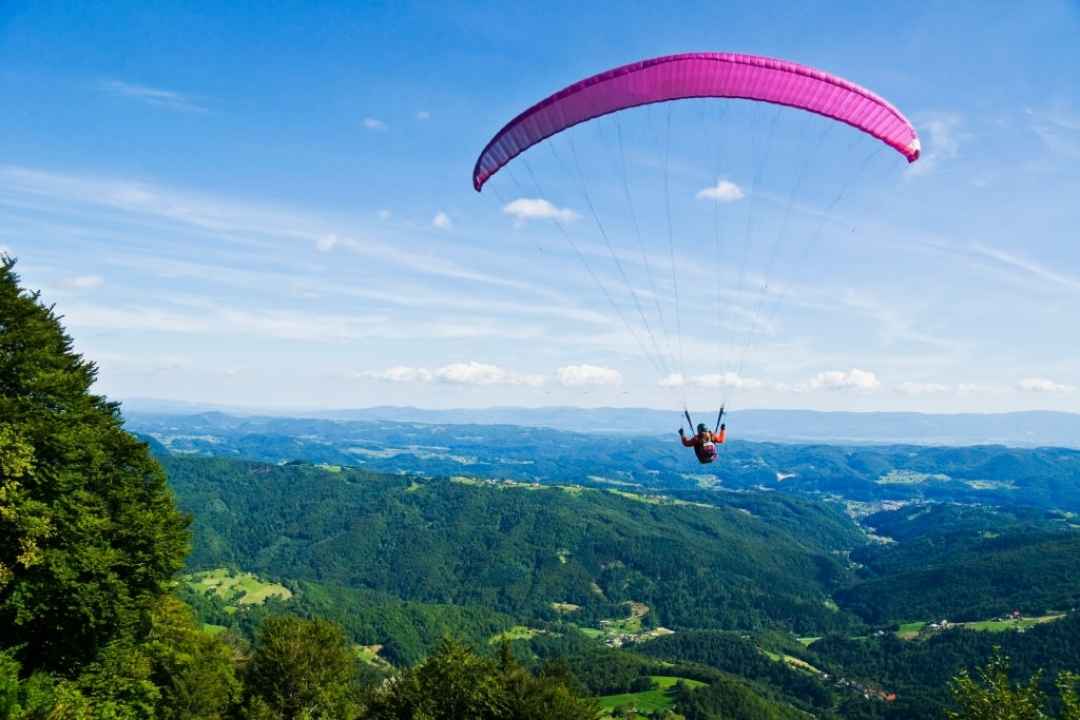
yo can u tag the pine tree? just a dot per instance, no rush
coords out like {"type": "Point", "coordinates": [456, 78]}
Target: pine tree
{"type": "Point", "coordinates": [89, 533]}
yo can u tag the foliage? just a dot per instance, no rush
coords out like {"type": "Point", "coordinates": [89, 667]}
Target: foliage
{"type": "Point", "coordinates": [513, 549]}
{"type": "Point", "coordinates": [993, 696]}
{"type": "Point", "coordinates": [455, 683]}
{"type": "Point", "coordinates": [88, 531]}
{"type": "Point", "coordinates": [739, 655]}
{"type": "Point", "coordinates": [1031, 571]}
{"type": "Point", "coordinates": [914, 669]}
{"type": "Point", "coordinates": [732, 699]}
{"type": "Point", "coordinates": [302, 669]}
{"type": "Point", "coordinates": [195, 671]}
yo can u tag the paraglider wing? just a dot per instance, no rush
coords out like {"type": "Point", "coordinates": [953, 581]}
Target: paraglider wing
{"type": "Point", "coordinates": [699, 75]}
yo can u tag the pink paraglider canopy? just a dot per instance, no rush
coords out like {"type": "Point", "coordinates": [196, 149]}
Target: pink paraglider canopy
{"type": "Point", "coordinates": [699, 75]}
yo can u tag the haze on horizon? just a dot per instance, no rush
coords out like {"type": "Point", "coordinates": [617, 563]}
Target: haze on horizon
{"type": "Point", "coordinates": [275, 209]}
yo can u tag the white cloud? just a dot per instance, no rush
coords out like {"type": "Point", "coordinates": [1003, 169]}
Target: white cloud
{"type": "Point", "coordinates": [1028, 266]}
{"type": "Point", "coordinates": [142, 319]}
{"type": "Point", "coordinates": [853, 379]}
{"type": "Point", "coordinates": [467, 373]}
{"type": "Point", "coordinates": [441, 221]}
{"type": "Point", "coordinates": [714, 380]}
{"type": "Point", "coordinates": [83, 282]}
{"type": "Point", "coordinates": [525, 209]}
{"type": "Point", "coordinates": [167, 99]}
{"type": "Point", "coordinates": [247, 224]}
{"type": "Point", "coordinates": [423, 115]}
{"type": "Point", "coordinates": [942, 136]}
{"type": "Point", "coordinates": [578, 375]}
{"type": "Point", "coordinates": [400, 374]}
{"type": "Point", "coordinates": [1042, 385]}
{"type": "Point", "coordinates": [723, 191]}
{"type": "Point", "coordinates": [918, 388]}
{"type": "Point", "coordinates": [327, 242]}
{"type": "Point", "coordinates": [728, 379]}
{"type": "Point", "coordinates": [204, 317]}
{"type": "Point", "coordinates": [384, 214]}
{"type": "Point", "coordinates": [1059, 129]}
{"type": "Point", "coordinates": [374, 123]}
{"type": "Point", "coordinates": [474, 373]}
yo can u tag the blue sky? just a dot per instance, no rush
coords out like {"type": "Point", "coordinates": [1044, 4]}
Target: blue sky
{"type": "Point", "coordinates": [269, 204]}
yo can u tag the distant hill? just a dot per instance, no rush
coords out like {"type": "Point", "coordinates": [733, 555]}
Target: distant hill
{"type": "Point", "coordinates": [985, 474]}
{"type": "Point", "coordinates": [1018, 429]}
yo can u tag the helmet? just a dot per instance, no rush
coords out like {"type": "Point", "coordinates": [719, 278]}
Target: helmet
{"type": "Point", "coordinates": [701, 428]}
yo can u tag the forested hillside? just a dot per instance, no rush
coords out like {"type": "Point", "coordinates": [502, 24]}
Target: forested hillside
{"type": "Point", "coordinates": [520, 548]}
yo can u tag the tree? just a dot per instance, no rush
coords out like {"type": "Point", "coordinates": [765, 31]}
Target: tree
{"type": "Point", "coordinates": [89, 534]}
{"type": "Point", "coordinates": [302, 670]}
{"type": "Point", "coordinates": [1070, 701]}
{"type": "Point", "coordinates": [993, 696]}
{"type": "Point", "coordinates": [455, 682]}
{"type": "Point", "coordinates": [194, 670]}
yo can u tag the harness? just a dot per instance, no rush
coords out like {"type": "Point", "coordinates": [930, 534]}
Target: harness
{"type": "Point", "coordinates": [706, 452]}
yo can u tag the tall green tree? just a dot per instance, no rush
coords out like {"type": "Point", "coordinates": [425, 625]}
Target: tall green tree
{"type": "Point", "coordinates": [89, 533]}
{"type": "Point", "coordinates": [994, 696]}
{"type": "Point", "coordinates": [302, 670]}
{"type": "Point", "coordinates": [456, 683]}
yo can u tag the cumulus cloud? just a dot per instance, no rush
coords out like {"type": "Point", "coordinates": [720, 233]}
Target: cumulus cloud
{"type": "Point", "coordinates": [441, 221]}
{"type": "Point", "coordinates": [919, 388]}
{"type": "Point", "coordinates": [474, 373]}
{"type": "Point", "coordinates": [467, 373]}
{"type": "Point", "coordinates": [525, 209]}
{"type": "Point", "coordinates": [578, 375]}
{"type": "Point", "coordinates": [423, 115]}
{"type": "Point", "coordinates": [714, 380]}
{"type": "Point", "coordinates": [327, 242]}
{"type": "Point", "coordinates": [724, 191]}
{"type": "Point", "coordinates": [374, 123]}
{"type": "Point", "coordinates": [728, 379]}
{"type": "Point", "coordinates": [399, 374]}
{"type": "Point", "coordinates": [167, 99]}
{"type": "Point", "coordinates": [1042, 385]}
{"type": "Point", "coordinates": [853, 379]}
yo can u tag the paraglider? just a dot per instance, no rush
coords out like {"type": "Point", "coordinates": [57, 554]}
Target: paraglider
{"type": "Point", "coordinates": [705, 441]}
{"type": "Point", "coordinates": [683, 77]}
{"type": "Point", "coordinates": [699, 75]}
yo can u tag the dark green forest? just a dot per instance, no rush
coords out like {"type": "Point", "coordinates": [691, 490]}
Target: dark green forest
{"type": "Point", "coordinates": [518, 549]}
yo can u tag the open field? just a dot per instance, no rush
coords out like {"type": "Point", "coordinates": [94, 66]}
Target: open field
{"type": "Point", "coordinates": [792, 661]}
{"type": "Point", "coordinates": [1018, 624]}
{"type": "Point", "coordinates": [660, 697]}
{"type": "Point", "coordinates": [236, 588]}
{"type": "Point", "coordinates": [518, 632]}
{"type": "Point", "coordinates": [914, 630]}
{"type": "Point", "coordinates": [369, 655]}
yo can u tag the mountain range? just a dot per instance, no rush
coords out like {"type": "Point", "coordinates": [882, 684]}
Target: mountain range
{"type": "Point", "coordinates": [1038, 428]}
